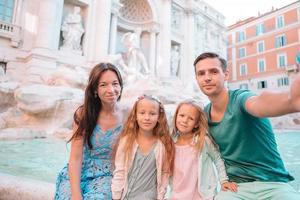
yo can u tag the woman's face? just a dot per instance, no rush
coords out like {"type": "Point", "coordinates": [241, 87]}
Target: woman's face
{"type": "Point", "coordinates": [109, 87]}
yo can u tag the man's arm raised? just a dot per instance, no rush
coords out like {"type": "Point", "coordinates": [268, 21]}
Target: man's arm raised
{"type": "Point", "coordinates": [272, 104]}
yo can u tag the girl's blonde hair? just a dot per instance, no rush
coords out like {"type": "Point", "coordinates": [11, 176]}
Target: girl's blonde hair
{"type": "Point", "coordinates": [161, 131]}
{"type": "Point", "coordinates": [201, 127]}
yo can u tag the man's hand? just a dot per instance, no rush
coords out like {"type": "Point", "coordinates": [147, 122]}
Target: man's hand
{"type": "Point", "coordinates": [295, 93]}
{"type": "Point", "coordinates": [232, 186]}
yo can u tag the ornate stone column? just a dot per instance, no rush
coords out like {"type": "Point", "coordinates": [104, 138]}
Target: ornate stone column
{"type": "Point", "coordinates": [188, 48]}
{"type": "Point", "coordinates": [113, 34]}
{"type": "Point", "coordinates": [58, 22]}
{"type": "Point", "coordinates": [152, 48]}
{"type": "Point", "coordinates": [42, 59]}
{"type": "Point", "coordinates": [47, 24]}
{"type": "Point", "coordinates": [164, 40]}
{"type": "Point", "coordinates": [98, 28]}
{"type": "Point", "coordinates": [114, 26]}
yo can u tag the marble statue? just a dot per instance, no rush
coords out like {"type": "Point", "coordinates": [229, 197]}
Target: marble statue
{"type": "Point", "coordinates": [132, 62]}
{"type": "Point", "coordinates": [175, 60]}
{"type": "Point", "coordinates": [133, 56]}
{"type": "Point", "coordinates": [72, 31]}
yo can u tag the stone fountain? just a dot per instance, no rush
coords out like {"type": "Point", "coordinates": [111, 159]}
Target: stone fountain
{"type": "Point", "coordinates": [39, 109]}
{"type": "Point", "coordinates": [43, 103]}
{"type": "Point", "coordinates": [30, 109]}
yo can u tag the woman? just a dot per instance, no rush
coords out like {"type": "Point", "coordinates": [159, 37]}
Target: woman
{"type": "Point", "coordinates": [97, 122]}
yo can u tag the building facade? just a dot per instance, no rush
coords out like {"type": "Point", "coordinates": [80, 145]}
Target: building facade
{"type": "Point", "coordinates": [36, 38]}
{"type": "Point", "coordinates": [263, 51]}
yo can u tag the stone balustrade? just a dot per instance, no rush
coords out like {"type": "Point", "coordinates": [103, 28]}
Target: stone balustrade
{"type": "Point", "coordinates": [10, 31]}
{"type": "Point", "coordinates": [19, 188]}
{"type": "Point", "coordinates": [292, 68]}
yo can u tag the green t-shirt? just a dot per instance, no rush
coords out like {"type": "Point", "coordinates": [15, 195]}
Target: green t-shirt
{"type": "Point", "coordinates": [247, 143]}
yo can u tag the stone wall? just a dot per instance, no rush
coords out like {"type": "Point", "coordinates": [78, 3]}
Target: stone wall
{"type": "Point", "coordinates": [290, 121]}
{"type": "Point", "coordinates": [18, 188]}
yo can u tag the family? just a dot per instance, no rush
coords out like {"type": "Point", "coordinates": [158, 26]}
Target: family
{"type": "Point", "coordinates": [226, 151]}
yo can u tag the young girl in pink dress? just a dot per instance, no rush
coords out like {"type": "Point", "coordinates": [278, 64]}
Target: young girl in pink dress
{"type": "Point", "coordinates": [194, 176]}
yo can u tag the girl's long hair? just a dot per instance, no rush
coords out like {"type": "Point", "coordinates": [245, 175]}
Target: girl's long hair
{"type": "Point", "coordinates": [85, 117]}
{"type": "Point", "coordinates": [161, 131]}
{"type": "Point", "coordinates": [202, 124]}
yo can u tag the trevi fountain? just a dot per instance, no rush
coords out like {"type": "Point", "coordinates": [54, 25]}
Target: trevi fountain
{"type": "Point", "coordinates": [47, 51]}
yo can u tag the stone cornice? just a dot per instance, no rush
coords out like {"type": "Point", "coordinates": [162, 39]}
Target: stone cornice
{"type": "Point", "coordinates": [115, 7]}
{"type": "Point", "coordinates": [150, 26]}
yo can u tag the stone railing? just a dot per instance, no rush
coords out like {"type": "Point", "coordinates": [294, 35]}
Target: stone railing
{"type": "Point", "coordinates": [19, 188]}
{"type": "Point", "coordinates": [292, 68]}
{"type": "Point", "coordinates": [10, 31]}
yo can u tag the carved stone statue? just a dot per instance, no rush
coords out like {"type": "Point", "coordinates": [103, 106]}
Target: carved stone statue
{"type": "Point", "coordinates": [175, 60]}
{"type": "Point", "coordinates": [131, 63]}
{"type": "Point", "coordinates": [72, 31]}
{"type": "Point", "coordinates": [133, 56]}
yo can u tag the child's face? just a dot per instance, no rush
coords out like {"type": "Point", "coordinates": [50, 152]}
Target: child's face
{"type": "Point", "coordinates": [187, 118]}
{"type": "Point", "coordinates": [147, 114]}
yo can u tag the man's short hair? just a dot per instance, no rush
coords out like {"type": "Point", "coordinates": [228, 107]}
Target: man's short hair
{"type": "Point", "coordinates": [211, 55]}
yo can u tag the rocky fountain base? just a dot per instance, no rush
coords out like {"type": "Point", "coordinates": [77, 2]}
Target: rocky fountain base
{"type": "Point", "coordinates": [46, 108]}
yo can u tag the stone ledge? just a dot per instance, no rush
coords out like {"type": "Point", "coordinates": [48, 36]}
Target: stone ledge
{"type": "Point", "coordinates": [19, 188]}
{"type": "Point", "coordinates": [21, 133]}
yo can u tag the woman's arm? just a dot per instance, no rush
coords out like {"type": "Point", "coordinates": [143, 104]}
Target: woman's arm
{"type": "Point", "coordinates": [75, 165]}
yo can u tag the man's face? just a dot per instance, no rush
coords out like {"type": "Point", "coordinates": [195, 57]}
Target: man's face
{"type": "Point", "coordinates": [210, 76]}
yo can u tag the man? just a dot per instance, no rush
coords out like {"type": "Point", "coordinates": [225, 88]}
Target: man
{"type": "Point", "coordinates": [245, 137]}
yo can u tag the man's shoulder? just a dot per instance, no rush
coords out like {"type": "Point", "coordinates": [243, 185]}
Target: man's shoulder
{"type": "Point", "coordinates": [240, 94]}
{"type": "Point", "coordinates": [207, 108]}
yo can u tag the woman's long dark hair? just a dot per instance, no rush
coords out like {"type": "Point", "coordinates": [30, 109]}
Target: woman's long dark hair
{"type": "Point", "coordinates": [85, 117]}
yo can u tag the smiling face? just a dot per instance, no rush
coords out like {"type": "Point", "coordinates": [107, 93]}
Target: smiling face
{"type": "Point", "coordinates": [147, 114]}
{"type": "Point", "coordinates": [187, 119]}
{"type": "Point", "coordinates": [109, 88]}
{"type": "Point", "coordinates": [210, 76]}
